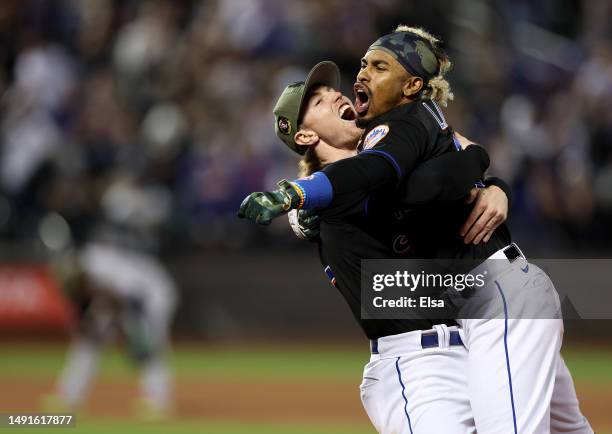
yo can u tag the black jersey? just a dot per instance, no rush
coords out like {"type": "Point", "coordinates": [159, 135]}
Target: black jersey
{"type": "Point", "coordinates": [345, 241]}
{"type": "Point", "coordinates": [391, 146]}
{"type": "Point", "coordinates": [342, 246]}
{"type": "Point", "coordinates": [377, 213]}
{"type": "Point", "coordinates": [433, 228]}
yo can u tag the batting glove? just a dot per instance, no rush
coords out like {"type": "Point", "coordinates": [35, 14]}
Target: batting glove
{"type": "Point", "coordinates": [263, 207]}
{"type": "Point", "coordinates": [305, 223]}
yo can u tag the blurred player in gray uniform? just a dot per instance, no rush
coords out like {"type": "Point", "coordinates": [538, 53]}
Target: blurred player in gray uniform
{"type": "Point", "coordinates": [120, 290]}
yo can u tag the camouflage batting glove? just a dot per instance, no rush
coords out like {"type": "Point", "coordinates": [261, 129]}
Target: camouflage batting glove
{"type": "Point", "coordinates": [305, 223]}
{"type": "Point", "coordinates": [263, 207]}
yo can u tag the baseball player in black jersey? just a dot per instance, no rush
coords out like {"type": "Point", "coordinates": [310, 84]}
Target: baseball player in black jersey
{"type": "Point", "coordinates": [511, 374]}
{"type": "Point", "coordinates": [431, 350]}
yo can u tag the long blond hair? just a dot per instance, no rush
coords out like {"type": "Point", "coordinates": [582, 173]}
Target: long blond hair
{"type": "Point", "coordinates": [437, 88]}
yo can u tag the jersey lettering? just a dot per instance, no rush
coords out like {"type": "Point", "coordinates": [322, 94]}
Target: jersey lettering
{"type": "Point", "coordinates": [437, 114]}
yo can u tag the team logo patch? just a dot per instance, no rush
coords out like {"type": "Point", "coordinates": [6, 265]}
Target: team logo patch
{"type": "Point", "coordinates": [375, 136]}
{"type": "Point", "coordinates": [401, 244]}
{"type": "Point", "coordinates": [284, 126]}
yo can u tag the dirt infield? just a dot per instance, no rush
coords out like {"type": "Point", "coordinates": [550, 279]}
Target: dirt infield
{"type": "Point", "coordinates": [595, 404]}
{"type": "Point", "coordinates": [252, 401]}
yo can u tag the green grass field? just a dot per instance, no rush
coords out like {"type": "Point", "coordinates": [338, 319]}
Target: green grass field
{"type": "Point", "coordinates": [189, 360]}
{"type": "Point", "coordinates": [589, 366]}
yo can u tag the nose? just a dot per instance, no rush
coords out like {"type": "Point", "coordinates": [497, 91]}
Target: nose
{"type": "Point", "coordinates": [363, 76]}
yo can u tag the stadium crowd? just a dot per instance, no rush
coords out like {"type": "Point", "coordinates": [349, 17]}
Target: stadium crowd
{"type": "Point", "coordinates": [156, 115]}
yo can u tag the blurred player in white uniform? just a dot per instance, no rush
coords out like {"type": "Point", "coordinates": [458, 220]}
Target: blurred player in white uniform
{"type": "Point", "coordinates": [121, 290]}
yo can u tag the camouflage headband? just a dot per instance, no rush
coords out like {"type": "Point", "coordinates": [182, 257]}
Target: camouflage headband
{"type": "Point", "coordinates": [411, 51]}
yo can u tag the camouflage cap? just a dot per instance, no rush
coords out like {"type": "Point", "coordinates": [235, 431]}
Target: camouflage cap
{"type": "Point", "coordinates": [288, 108]}
{"type": "Point", "coordinates": [414, 53]}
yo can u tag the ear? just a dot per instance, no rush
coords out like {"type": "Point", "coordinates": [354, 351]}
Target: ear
{"type": "Point", "coordinates": [412, 86]}
{"type": "Point", "coordinates": [306, 137]}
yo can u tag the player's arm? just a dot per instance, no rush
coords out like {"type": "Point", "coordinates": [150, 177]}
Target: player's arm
{"type": "Point", "coordinates": [491, 202]}
{"type": "Point", "coordinates": [392, 151]}
{"type": "Point", "coordinates": [446, 178]}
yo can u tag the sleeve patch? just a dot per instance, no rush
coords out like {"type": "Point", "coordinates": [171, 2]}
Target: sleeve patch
{"type": "Point", "coordinates": [375, 136]}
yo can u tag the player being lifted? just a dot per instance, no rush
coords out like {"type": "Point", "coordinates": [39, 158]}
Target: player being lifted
{"type": "Point", "coordinates": [403, 127]}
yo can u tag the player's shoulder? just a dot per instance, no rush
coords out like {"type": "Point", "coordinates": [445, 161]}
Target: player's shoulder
{"type": "Point", "coordinates": [406, 116]}
{"type": "Point", "coordinates": [391, 131]}
{"type": "Point", "coordinates": [422, 120]}
{"type": "Point", "coordinates": [431, 115]}
{"type": "Point", "coordinates": [423, 114]}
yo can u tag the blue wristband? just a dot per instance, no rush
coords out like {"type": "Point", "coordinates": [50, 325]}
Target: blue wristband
{"type": "Point", "coordinates": [317, 189]}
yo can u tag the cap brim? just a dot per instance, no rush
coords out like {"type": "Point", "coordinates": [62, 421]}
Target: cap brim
{"type": "Point", "coordinates": [324, 73]}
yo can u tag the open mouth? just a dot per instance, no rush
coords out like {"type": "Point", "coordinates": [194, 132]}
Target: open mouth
{"type": "Point", "coordinates": [346, 112]}
{"type": "Point", "coordinates": [362, 98]}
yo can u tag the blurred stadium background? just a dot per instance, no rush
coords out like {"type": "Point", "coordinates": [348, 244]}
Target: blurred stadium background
{"type": "Point", "coordinates": [145, 123]}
